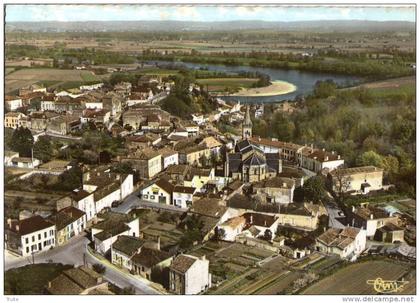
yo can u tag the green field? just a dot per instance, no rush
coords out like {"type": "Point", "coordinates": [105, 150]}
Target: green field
{"type": "Point", "coordinates": [221, 84]}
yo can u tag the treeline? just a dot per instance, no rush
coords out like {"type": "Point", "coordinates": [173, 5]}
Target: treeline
{"type": "Point", "coordinates": [68, 55]}
{"type": "Point", "coordinates": [366, 127]}
{"type": "Point", "coordinates": [358, 66]}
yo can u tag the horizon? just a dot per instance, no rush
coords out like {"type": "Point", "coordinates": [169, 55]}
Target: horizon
{"type": "Point", "coordinates": [206, 13]}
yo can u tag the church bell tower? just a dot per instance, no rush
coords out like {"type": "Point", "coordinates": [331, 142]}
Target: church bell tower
{"type": "Point", "coordinates": [247, 125]}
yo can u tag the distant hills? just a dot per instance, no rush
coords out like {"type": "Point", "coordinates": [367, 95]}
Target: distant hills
{"type": "Point", "coordinates": [173, 26]}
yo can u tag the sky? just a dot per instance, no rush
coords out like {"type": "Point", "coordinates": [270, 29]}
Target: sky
{"type": "Point", "coordinates": [207, 13]}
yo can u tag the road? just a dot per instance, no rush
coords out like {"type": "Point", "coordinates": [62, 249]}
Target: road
{"type": "Point", "coordinates": [74, 252]}
{"type": "Point", "coordinates": [333, 214]}
{"type": "Point", "coordinates": [71, 253]}
{"type": "Point", "coordinates": [120, 278]}
{"type": "Point", "coordinates": [133, 201]}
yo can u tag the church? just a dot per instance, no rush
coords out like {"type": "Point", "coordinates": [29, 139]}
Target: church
{"type": "Point", "coordinates": [248, 162]}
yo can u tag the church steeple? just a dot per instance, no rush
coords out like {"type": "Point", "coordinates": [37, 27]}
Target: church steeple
{"type": "Point", "coordinates": [247, 125]}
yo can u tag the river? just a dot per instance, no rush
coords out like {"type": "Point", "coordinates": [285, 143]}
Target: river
{"type": "Point", "coordinates": [304, 81]}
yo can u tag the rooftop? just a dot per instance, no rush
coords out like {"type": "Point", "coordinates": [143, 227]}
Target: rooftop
{"type": "Point", "coordinates": [182, 263]}
{"type": "Point", "coordinates": [127, 244]}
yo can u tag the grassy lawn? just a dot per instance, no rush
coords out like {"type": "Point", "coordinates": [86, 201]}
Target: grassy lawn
{"type": "Point", "coordinates": [31, 279]}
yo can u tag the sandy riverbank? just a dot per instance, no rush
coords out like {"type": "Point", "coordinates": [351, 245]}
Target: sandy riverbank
{"type": "Point", "coordinates": [276, 88]}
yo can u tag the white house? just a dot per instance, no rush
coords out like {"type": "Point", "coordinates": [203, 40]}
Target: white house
{"type": "Point", "coordinates": [106, 232]}
{"type": "Point", "coordinates": [169, 157]}
{"type": "Point", "coordinates": [159, 191]}
{"type": "Point", "coordinates": [91, 87]}
{"type": "Point", "coordinates": [94, 105]}
{"type": "Point", "coordinates": [12, 103]}
{"type": "Point", "coordinates": [189, 275]}
{"type": "Point", "coordinates": [183, 196]}
{"type": "Point", "coordinates": [347, 243]}
{"type": "Point", "coordinates": [85, 202]}
{"type": "Point", "coordinates": [31, 235]}
{"type": "Point", "coordinates": [25, 162]}
{"type": "Point", "coordinates": [47, 105]}
{"type": "Point", "coordinates": [69, 222]}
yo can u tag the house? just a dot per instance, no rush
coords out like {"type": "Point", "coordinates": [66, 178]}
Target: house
{"type": "Point", "coordinates": [390, 233]}
{"type": "Point", "coordinates": [107, 187]}
{"type": "Point", "coordinates": [169, 157]}
{"type": "Point", "coordinates": [347, 242]}
{"type": "Point", "coordinates": [63, 124]}
{"type": "Point", "coordinates": [123, 249]}
{"type": "Point", "coordinates": [357, 179]}
{"type": "Point", "coordinates": [12, 103]}
{"type": "Point", "coordinates": [28, 236]}
{"type": "Point", "coordinates": [91, 87]}
{"type": "Point", "coordinates": [198, 177]}
{"type": "Point", "coordinates": [275, 190]}
{"type": "Point", "coordinates": [251, 225]}
{"type": "Point", "coordinates": [159, 191]}
{"type": "Point", "coordinates": [371, 218]}
{"type": "Point", "coordinates": [178, 173]}
{"type": "Point", "coordinates": [78, 281]}
{"type": "Point", "coordinates": [25, 162]}
{"type": "Point", "coordinates": [137, 142]}
{"type": "Point", "coordinates": [304, 217]}
{"type": "Point", "coordinates": [251, 164]}
{"type": "Point", "coordinates": [13, 119]}
{"type": "Point", "coordinates": [189, 275]}
{"type": "Point", "coordinates": [84, 201]}
{"type": "Point", "coordinates": [182, 196]}
{"type": "Point", "coordinates": [112, 225]}
{"type": "Point", "coordinates": [196, 155]}
{"type": "Point", "coordinates": [149, 259]}
{"type": "Point", "coordinates": [69, 223]}
{"type": "Point", "coordinates": [317, 160]}
{"type": "Point", "coordinates": [147, 162]}
{"type": "Point", "coordinates": [213, 144]}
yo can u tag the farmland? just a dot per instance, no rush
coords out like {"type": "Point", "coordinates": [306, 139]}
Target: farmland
{"type": "Point", "coordinates": [24, 77]}
{"type": "Point", "coordinates": [352, 279]}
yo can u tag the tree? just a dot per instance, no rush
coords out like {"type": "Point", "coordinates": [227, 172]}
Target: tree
{"type": "Point", "coordinates": [99, 268]}
{"type": "Point", "coordinates": [219, 233]}
{"type": "Point", "coordinates": [43, 149]}
{"type": "Point", "coordinates": [268, 235]}
{"type": "Point", "coordinates": [22, 141]}
{"type": "Point", "coordinates": [314, 189]}
{"type": "Point", "coordinates": [370, 158]}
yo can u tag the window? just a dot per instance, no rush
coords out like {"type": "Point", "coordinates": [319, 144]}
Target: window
{"type": "Point", "coordinates": [27, 249]}
{"type": "Point", "coordinates": [26, 240]}
{"type": "Point", "coordinates": [33, 238]}
{"type": "Point", "coordinates": [45, 234]}
{"type": "Point", "coordinates": [39, 236]}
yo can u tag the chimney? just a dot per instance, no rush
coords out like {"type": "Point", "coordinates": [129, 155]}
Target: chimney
{"type": "Point", "coordinates": [353, 209]}
{"type": "Point", "coordinates": [284, 184]}
{"type": "Point", "coordinates": [338, 157]}
{"type": "Point", "coordinates": [323, 149]}
{"type": "Point", "coordinates": [326, 158]}
{"type": "Point", "coordinates": [251, 219]}
{"type": "Point", "coordinates": [325, 228]}
{"type": "Point", "coordinates": [17, 227]}
{"type": "Point", "coordinates": [99, 280]}
{"type": "Point", "coordinates": [49, 284]}
{"type": "Point", "coordinates": [265, 222]}
{"type": "Point", "coordinates": [371, 216]}
{"type": "Point", "coordinates": [9, 222]}
{"type": "Point", "coordinates": [333, 152]}
{"type": "Point", "coordinates": [203, 257]}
